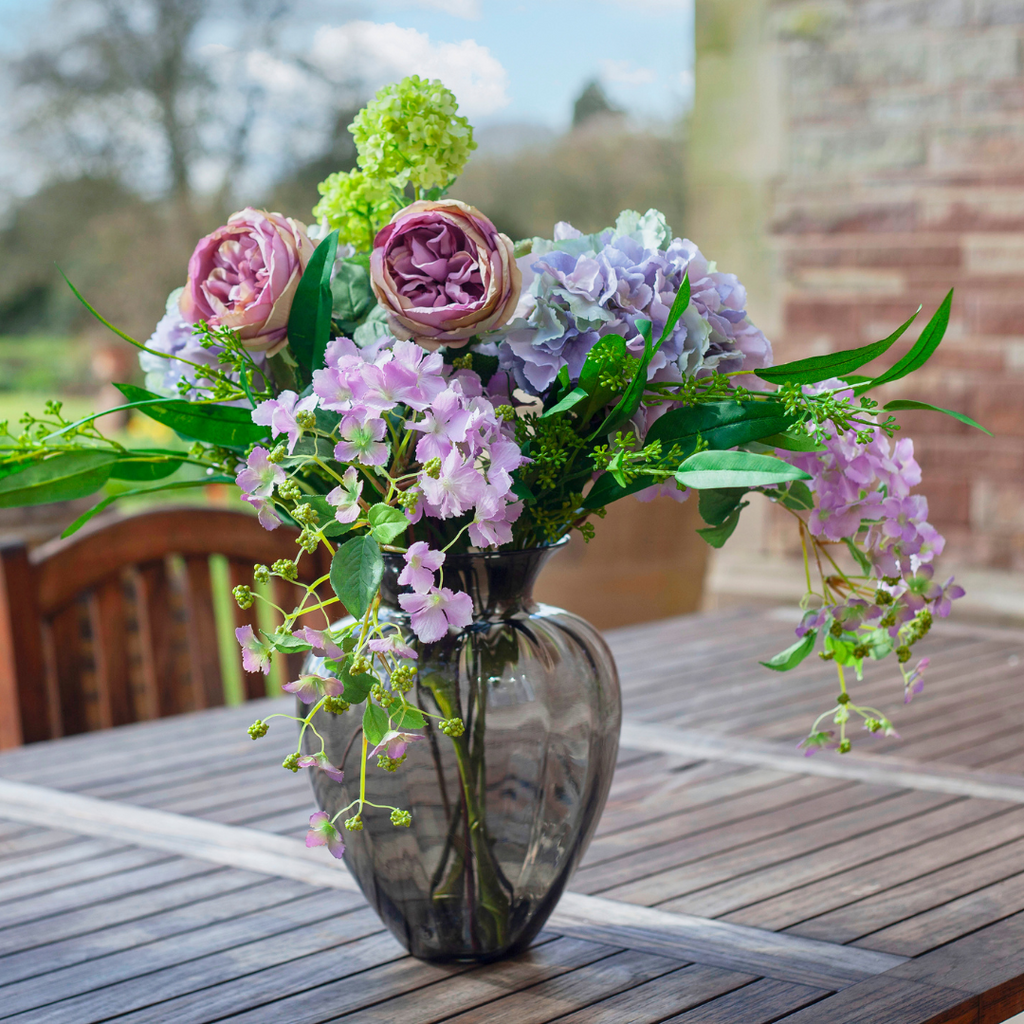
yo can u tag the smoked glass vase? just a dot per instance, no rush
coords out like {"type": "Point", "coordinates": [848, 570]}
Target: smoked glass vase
{"type": "Point", "coordinates": [502, 814]}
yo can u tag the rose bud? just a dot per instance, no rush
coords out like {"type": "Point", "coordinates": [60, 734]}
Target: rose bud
{"type": "Point", "coordinates": [443, 272]}
{"type": "Point", "coordinates": [244, 276]}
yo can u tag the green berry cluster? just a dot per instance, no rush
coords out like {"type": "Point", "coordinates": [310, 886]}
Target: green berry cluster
{"type": "Point", "coordinates": [258, 729]}
{"type": "Point", "coordinates": [286, 569]}
{"type": "Point", "coordinates": [260, 574]}
{"type": "Point", "coordinates": [385, 698]}
{"type": "Point", "coordinates": [289, 490]}
{"type": "Point", "coordinates": [243, 595]}
{"type": "Point", "coordinates": [452, 726]}
{"type": "Point", "coordinates": [390, 764]}
{"type": "Point", "coordinates": [401, 818]}
{"type": "Point", "coordinates": [291, 762]}
{"type": "Point", "coordinates": [432, 468]}
{"type": "Point", "coordinates": [336, 705]}
{"type": "Point", "coordinates": [354, 824]}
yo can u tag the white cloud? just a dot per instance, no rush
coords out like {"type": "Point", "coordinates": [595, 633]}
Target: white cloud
{"type": "Point", "coordinates": [468, 9]}
{"type": "Point", "coordinates": [276, 75]}
{"type": "Point", "coordinates": [624, 72]}
{"type": "Point", "coordinates": [384, 53]}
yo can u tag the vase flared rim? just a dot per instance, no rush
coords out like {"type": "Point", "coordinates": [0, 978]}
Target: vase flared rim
{"type": "Point", "coordinates": [500, 553]}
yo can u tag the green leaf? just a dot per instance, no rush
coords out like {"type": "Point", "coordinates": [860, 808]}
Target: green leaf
{"type": "Point", "coordinates": [352, 296]}
{"type": "Point", "coordinates": [798, 496]}
{"type": "Point", "coordinates": [720, 424]}
{"type": "Point", "coordinates": [573, 398]}
{"type": "Point", "coordinates": [793, 441]}
{"type": "Point", "coordinates": [327, 525]}
{"type": "Point", "coordinates": [716, 506]}
{"type": "Point", "coordinates": [356, 687]}
{"type": "Point", "coordinates": [309, 322]}
{"type": "Point", "coordinates": [611, 349]}
{"type": "Point", "coordinates": [834, 364]}
{"type": "Point", "coordinates": [225, 425]}
{"type": "Point", "coordinates": [858, 556]}
{"type": "Point", "coordinates": [904, 403]}
{"type": "Point", "coordinates": [110, 499]}
{"type": "Point", "coordinates": [286, 643]}
{"type": "Point", "coordinates": [682, 300]}
{"type": "Point", "coordinates": [356, 571]}
{"type": "Point", "coordinates": [387, 523]}
{"type": "Point", "coordinates": [736, 469]}
{"type": "Point", "coordinates": [794, 654]}
{"type": "Point", "coordinates": [634, 393]}
{"type": "Point", "coordinates": [61, 477]}
{"type": "Point", "coordinates": [922, 349]}
{"type": "Point", "coordinates": [412, 718]}
{"type": "Point", "coordinates": [136, 466]}
{"type": "Point", "coordinates": [375, 723]}
{"type": "Point", "coordinates": [716, 536]}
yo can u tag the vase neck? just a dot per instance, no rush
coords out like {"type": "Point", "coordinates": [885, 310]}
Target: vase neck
{"type": "Point", "coordinates": [499, 582]}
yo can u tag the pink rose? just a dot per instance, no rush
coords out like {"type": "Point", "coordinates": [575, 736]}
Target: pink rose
{"type": "Point", "coordinates": [244, 276]}
{"type": "Point", "coordinates": [443, 273]}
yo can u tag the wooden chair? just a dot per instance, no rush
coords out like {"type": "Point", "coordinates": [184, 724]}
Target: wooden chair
{"type": "Point", "coordinates": [116, 624]}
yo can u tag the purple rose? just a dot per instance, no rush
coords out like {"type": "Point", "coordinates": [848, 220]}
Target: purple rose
{"type": "Point", "coordinates": [244, 276]}
{"type": "Point", "coordinates": [443, 273]}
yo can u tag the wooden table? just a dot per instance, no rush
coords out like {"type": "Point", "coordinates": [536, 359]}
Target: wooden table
{"type": "Point", "coordinates": [155, 872]}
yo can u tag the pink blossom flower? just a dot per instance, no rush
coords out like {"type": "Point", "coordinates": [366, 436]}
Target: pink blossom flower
{"type": "Point", "coordinates": [385, 385]}
{"type": "Point", "coordinates": [321, 642]}
{"type": "Point", "coordinates": [260, 476]}
{"type": "Point", "coordinates": [426, 366]}
{"type": "Point", "coordinates": [244, 276]}
{"type": "Point", "coordinates": [395, 744]}
{"type": "Point", "coordinates": [265, 512]}
{"type": "Point", "coordinates": [913, 681]}
{"type": "Point", "coordinates": [456, 489]}
{"type": "Point", "coordinates": [323, 833]}
{"type": "Point", "coordinates": [503, 458]}
{"type": "Point", "coordinates": [495, 528]}
{"type": "Point", "coordinates": [431, 614]}
{"type": "Point", "coordinates": [443, 424]}
{"type": "Point", "coordinates": [320, 760]}
{"type": "Point", "coordinates": [420, 565]}
{"type": "Point", "coordinates": [255, 652]}
{"type": "Point", "coordinates": [335, 387]}
{"type": "Point", "coordinates": [279, 414]}
{"type": "Point", "coordinates": [362, 441]}
{"type": "Point", "coordinates": [345, 497]}
{"type": "Point", "coordinates": [391, 645]}
{"type": "Point", "coordinates": [310, 688]}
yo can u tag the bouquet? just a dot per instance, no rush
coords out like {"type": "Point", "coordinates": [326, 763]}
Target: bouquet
{"type": "Point", "coordinates": [402, 377]}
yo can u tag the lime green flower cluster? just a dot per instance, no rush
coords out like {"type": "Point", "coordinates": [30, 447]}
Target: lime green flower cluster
{"type": "Point", "coordinates": [410, 134]}
{"type": "Point", "coordinates": [357, 205]}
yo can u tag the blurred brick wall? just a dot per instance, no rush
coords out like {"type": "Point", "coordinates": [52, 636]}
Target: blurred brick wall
{"type": "Point", "coordinates": [900, 174]}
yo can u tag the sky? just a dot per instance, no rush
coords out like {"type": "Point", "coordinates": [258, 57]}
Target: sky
{"type": "Point", "coordinates": [506, 61]}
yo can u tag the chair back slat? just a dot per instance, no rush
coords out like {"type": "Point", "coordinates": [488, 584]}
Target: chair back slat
{"type": "Point", "coordinates": [201, 626]}
{"type": "Point", "coordinates": [65, 640]}
{"type": "Point", "coordinates": [107, 622]}
{"type": "Point", "coordinates": [118, 623]}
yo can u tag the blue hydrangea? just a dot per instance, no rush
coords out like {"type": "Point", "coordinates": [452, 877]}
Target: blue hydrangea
{"type": "Point", "coordinates": [577, 288]}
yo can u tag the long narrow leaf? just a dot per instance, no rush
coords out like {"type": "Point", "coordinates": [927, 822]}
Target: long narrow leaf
{"type": "Point", "coordinates": [922, 349]}
{"type": "Point", "coordinates": [111, 498]}
{"type": "Point", "coordinates": [905, 403]}
{"type": "Point", "coordinates": [62, 477]}
{"type": "Point", "coordinates": [309, 323]}
{"type": "Point", "coordinates": [834, 364]}
{"type": "Point", "coordinates": [736, 469]}
{"type": "Point", "coordinates": [679, 304]}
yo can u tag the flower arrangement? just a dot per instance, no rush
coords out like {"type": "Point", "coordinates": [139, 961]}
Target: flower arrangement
{"type": "Point", "coordinates": [403, 378]}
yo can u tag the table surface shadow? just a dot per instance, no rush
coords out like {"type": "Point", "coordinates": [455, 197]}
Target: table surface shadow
{"type": "Point", "coordinates": [898, 871]}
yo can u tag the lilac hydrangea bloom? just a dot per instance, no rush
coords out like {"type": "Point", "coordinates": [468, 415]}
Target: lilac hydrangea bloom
{"type": "Point", "coordinates": [577, 288]}
{"type": "Point", "coordinates": [323, 833]}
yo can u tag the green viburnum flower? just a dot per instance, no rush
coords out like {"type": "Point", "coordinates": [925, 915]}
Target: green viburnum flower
{"type": "Point", "coordinates": [358, 206]}
{"type": "Point", "coordinates": [411, 133]}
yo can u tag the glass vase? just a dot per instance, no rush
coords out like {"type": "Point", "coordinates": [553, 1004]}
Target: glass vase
{"type": "Point", "coordinates": [502, 814]}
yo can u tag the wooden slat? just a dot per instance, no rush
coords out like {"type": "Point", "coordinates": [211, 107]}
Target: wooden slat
{"type": "Point", "coordinates": [110, 653]}
{"type": "Point", "coordinates": [23, 696]}
{"type": "Point", "coordinates": [64, 635]}
{"type": "Point", "coordinates": [203, 646]}
{"type": "Point", "coordinates": [156, 636]}
{"type": "Point", "coordinates": [763, 1002]}
{"type": "Point", "coordinates": [254, 684]}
